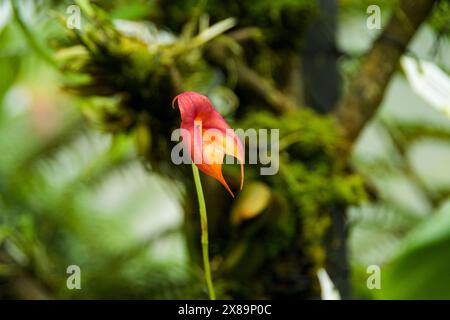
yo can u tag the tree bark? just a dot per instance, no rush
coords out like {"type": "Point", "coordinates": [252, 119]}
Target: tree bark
{"type": "Point", "coordinates": [322, 87]}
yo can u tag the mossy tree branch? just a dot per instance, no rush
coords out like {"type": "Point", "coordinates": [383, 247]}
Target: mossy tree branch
{"type": "Point", "coordinates": [369, 84]}
{"type": "Point", "coordinates": [249, 79]}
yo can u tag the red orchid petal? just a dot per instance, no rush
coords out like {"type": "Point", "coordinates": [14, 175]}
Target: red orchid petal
{"type": "Point", "coordinates": [211, 138]}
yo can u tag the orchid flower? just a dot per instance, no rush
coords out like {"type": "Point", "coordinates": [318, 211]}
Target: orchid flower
{"type": "Point", "coordinates": [207, 136]}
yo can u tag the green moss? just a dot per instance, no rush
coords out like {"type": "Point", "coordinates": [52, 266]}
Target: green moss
{"type": "Point", "coordinates": [281, 22]}
{"type": "Point", "coordinates": [312, 177]}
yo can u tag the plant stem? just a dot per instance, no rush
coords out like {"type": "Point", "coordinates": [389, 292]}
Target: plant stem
{"type": "Point", "coordinates": [204, 228]}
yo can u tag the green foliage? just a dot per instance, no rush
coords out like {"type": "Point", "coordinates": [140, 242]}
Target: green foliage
{"type": "Point", "coordinates": [131, 80]}
{"type": "Point", "coordinates": [407, 244]}
{"type": "Point", "coordinates": [360, 6]}
{"type": "Point", "coordinates": [123, 76]}
{"type": "Point", "coordinates": [440, 17]}
{"type": "Point", "coordinates": [51, 169]}
{"type": "Point", "coordinates": [424, 256]}
{"type": "Point", "coordinates": [282, 23]}
{"type": "Point", "coordinates": [49, 221]}
{"type": "Point", "coordinates": [312, 178]}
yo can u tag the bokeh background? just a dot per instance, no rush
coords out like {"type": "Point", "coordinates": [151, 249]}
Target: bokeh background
{"type": "Point", "coordinates": [79, 183]}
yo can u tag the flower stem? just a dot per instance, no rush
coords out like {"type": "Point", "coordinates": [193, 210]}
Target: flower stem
{"type": "Point", "coordinates": [204, 229]}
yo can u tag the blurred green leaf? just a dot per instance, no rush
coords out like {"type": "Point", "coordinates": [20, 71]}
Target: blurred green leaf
{"type": "Point", "coordinates": [10, 68]}
{"type": "Point", "coordinates": [421, 270]}
{"type": "Point", "coordinates": [131, 11]}
{"type": "Point", "coordinates": [5, 13]}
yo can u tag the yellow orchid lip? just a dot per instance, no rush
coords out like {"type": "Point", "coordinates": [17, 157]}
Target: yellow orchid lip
{"type": "Point", "coordinates": [210, 137]}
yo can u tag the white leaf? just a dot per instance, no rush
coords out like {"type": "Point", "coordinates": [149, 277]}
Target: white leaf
{"type": "Point", "coordinates": [429, 82]}
{"type": "Point", "coordinates": [215, 30]}
{"type": "Point", "coordinates": [328, 290]}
